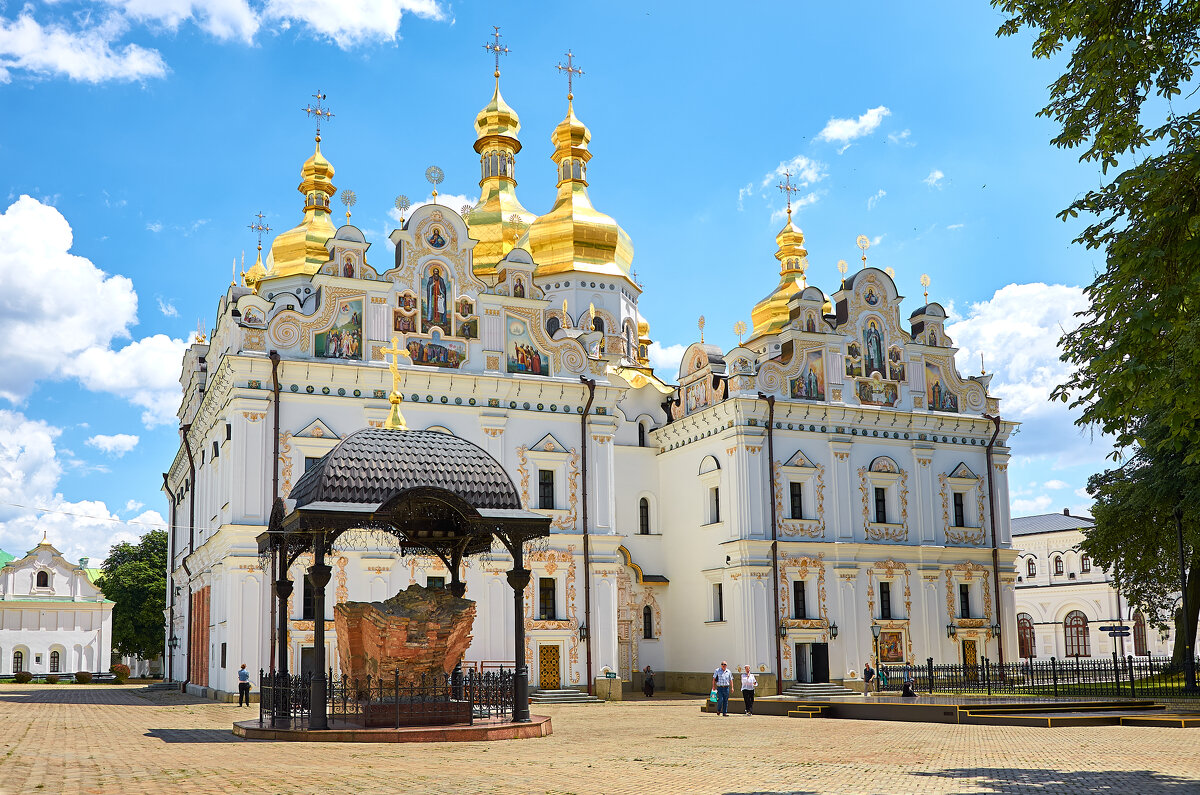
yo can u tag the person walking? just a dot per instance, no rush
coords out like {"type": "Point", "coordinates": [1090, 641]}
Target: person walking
{"type": "Point", "coordinates": [881, 678]}
{"type": "Point", "coordinates": [243, 686]}
{"type": "Point", "coordinates": [722, 679]}
{"type": "Point", "coordinates": [868, 675]}
{"type": "Point", "coordinates": [648, 682]}
{"type": "Point", "coordinates": [748, 685]}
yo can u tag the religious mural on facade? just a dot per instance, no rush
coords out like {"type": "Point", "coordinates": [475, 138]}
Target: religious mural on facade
{"type": "Point", "coordinates": [810, 384]}
{"type": "Point", "coordinates": [895, 364]}
{"type": "Point", "coordinates": [696, 395]}
{"type": "Point", "coordinates": [939, 397]}
{"type": "Point", "coordinates": [468, 326]}
{"type": "Point", "coordinates": [436, 238]}
{"type": "Point", "coordinates": [873, 361]}
{"type": "Point", "coordinates": [435, 308]}
{"type": "Point", "coordinates": [853, 359]}
{"type": "Point", "coordinates": [523, 354]}
{"type": "Point", "coordinates": [891, 647]}
{"type": "Point", "coordinates": [404, 317]}
{"type": "Point", "coordinates": [434, 351]}
{"type": "Point", "coordinates": [876, 392]}
{"type": "Point", "coordinates": [344, 340]}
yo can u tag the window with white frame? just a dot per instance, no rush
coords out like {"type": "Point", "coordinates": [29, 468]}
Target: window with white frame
{"type": "Point", "coordinates": [718, 602]}
{"type": "Point", "coordinates": [799, 599]}
{"type": "Point", "coordinates": [963, 499]}
{"type": "Point", "coordinates": [883, 495]}
{"type": "Point", "coordinates": [799, 496]}
{"type": "Point", "coordinates": [710, 483]}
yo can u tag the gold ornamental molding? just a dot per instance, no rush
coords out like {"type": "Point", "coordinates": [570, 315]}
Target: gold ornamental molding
{"type": "Point", "coordinates": [253, 416]}
{"type": "Point", "coordinates": [808, 528]}
{"type": "Point", "coordinates": [802, 566]}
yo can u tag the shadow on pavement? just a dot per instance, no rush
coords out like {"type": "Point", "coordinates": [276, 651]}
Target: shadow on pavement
{"type": "Point", "coordinates": [1007, 781]}
{"type": "Point", "coordinates": [195, 736]}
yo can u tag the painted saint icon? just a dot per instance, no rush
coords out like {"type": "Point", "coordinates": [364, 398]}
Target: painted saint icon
{"type": "Point", "coordinates": [435, 237]}
{"type": "Point", "coordinates": [435, 309]}
{"type": "Point", "coordinates": [873, 345]}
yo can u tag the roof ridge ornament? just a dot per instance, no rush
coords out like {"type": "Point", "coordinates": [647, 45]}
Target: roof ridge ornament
{"type": "Point", "coordinates": [497, 49]}
{"type": "Point", "coordinates": [395, 420]}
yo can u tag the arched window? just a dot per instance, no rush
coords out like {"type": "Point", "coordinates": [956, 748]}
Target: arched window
{"type": "Point", "coordinates": [1058, 564]}
{"type": "Point", "coordinates": [1076, 629]}
{"type": "Point", "coordinates": [647, 623]}
{"type": "Point", "coordinates": [1031, 567]}
{"type": "Point", "coordinates": [1085, 564]}
{"type": "Point", "coordinates": [577, 170]}
{"type": "Point", "coordinates": [43, 579]}
{"type": "Point", "coordinates": [641, 434]}
{"type": "Point", "coordinates": [1139, 635]}
{"type": "Point", "coordinates": [552, 326]}
{"type": "Point", "coordinates": [644, 516]}
{"type": "Point", "coordinates": [18, 661]}
{"type": "Point", "coordinates": [1025, 635]}
{"type": "Point", "coordinates": [55, 666]}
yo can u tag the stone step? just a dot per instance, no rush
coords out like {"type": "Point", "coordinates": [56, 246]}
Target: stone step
{"type": "Point", "coordinates": [823, 690]}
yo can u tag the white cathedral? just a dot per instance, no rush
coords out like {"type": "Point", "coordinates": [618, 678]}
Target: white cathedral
{"type": "Point", "coordinates": [769, 505]}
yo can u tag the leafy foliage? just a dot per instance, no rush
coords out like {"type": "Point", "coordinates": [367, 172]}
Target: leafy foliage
{"type": "Point", "coordinates": [1137, 351]}
{"type": "Point", "coordinates": [83, 677]}
{"type": "Point", "coordinates": [135, 579]}
{"type": "Point", "coordinates": [23, 677]}
{"type": "Point", "coordinates": [121, 670]}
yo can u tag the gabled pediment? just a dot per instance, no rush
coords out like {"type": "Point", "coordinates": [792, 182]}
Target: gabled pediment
{"type": "Point", "coordinates": [799, 460]}
{"type": "Point", "coordinates": [317, 429]}
{"type": "Point", "coordinates": [963, 471]}
{"type": "Point", "coordinates": [549, 444]}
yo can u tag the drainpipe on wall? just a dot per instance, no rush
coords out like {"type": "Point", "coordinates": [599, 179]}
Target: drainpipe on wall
{"type": "Point", "coordinates": [587, 558]}
{"type": "Point", "coordinates": [187, 446]}
{"type": "Point", "coordinates": [774, 539]}
{"type": "Point", "coordinates": [170, 653]}
{"type": "Point", "coordinates": [995, 543]}
{"type": "Point", "coordinates": [274, 494]}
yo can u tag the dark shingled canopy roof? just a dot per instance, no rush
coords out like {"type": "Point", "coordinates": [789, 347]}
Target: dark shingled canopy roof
{"type": "Point", "coordinates": [369, 466]}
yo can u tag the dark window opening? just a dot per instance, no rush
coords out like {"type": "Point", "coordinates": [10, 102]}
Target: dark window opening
{"type": "Point", "coordinates": [960, 514]}
{"type": "Point", "coordinates": [641, 435]}
{"type": "Point", "coordinates": [1076, 629]}
{"type": "Point", "coordinates": [1085, 564]}
{"type": "Point", "coordinates": [18, 662]}
{"type": "Point", "coordinates": [801, 609]}
{"type": "Point", "coordinates": [797, 495]}
{"type": "Point", "coordinates": [310, 461]}
{"type": "Point", "coordinates": [885, 601]}
{"type": "Point", "coordinates": [55, 662]}
{"type": "Point", "coordinates": [435, 582]}
{"type": "Point", "coordinates": [546, 611]}
{"type": "Point", "coordinates": [964, 600]}
{"type": "Point", "coordinates": [552, 326]}
{"type": "Point", "coordinates": [1031, 567]}
{"type": "Point", "coordinates": [224, 650]}
{"type": "Point", "coordinates": [880, 505]}
{"type": "Point", "coordinates": [1025, 639]}
{"type": "Point", "coordinates": [546, 489]}
{"type": "Point", "coordinates": [43, 579]}
{"type": "Point", "coordinates": [715, 504]}
{"type": "Point", "coordinates": [644, 516]}
{"type": "Point", "coordinates": [718, 603]}
{"type": "Point", "coordinates": [647, 623]}
{"type": "Point", "coordinates": [1058, 566]}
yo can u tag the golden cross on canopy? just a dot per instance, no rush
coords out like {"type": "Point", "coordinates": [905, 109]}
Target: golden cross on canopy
{"type": "Point", "coordinates": [315, 110]}
{"type": "Point", "coordinates": [395, 420]}
{"type": "Point", "coordinates": [259, 227]}
{"type": "Point", "coordinates": [788, 189]}
{"type": "Point", "coordinates": [571, 71]}
{"type": "Point", "coordinates": [497, 48]}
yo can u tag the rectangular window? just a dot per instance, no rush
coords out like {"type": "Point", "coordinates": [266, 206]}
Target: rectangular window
{"type": "Point", "coordinates": [309, 604]}
{"type": "Point", "coordinates": [546, 611]}
{"type": "Point", "coordinates": [880, 505]}
{"type": "Point", "coordinates": [546, 489]}
{"type": "Point", "coordinates": [310, 461]}
{"type": "Point", "coordinates": [885, 601]}
{"type": "Point", "coordinates": [718, 603]}
{"type": "Point", "coordinates": [224, 649]}
{"type": "Point", "coordinates": [964, 600]}
{"type": "Point", "coordinates": [435, 582]}
{"type": "Point", "coordinates": [798, 598]}
{"type": "Point", "coordinates": [797, 500]}
{"type": "Point", "coordinates": [960, 514]}
{"type": "Point", "coordinates": [714, 504]}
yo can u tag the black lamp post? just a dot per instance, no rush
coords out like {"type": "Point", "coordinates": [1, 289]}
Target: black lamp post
{"type": "Point", "coordinates": [833, 631]}
{"type": "Point", "coordinates": [1189, 654]}
{"type": "Point", "coordinates": [875, 629]}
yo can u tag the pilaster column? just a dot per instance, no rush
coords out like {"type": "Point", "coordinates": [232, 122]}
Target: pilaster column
{"type": "Point", "coordinates": [518, 579]}
{"type": "Point", "coordinates": [841, 485]}
{"type": "Point", "coordinates": [318, 575]}
{"type": "Point", "coordinates": [924, 494]}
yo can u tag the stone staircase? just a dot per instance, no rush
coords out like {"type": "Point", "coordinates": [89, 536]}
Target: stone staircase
{"type": "Point", "coordinates": [568, 696]}
{"type": "Point", "coordinates": [162, 686]}
{"type": "Point", "coordinates": [805, 690]}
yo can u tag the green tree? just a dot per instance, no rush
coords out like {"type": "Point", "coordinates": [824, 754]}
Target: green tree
{"type": "Point", "coordinates": [1137, 351]}
{"type": "Point", "coordinates": [135, 578]}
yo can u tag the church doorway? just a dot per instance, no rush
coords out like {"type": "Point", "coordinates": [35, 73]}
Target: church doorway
{"type": "Point", "coordinates": [803, 669]}
{"type": "Point", "coordinates": [308, 660]}
{"type": "Point", "coordinates": [820, 663]}
{"type": "Point", "coordinates": [548, 667]}
{"type": "Point", "coordinates": [970, 657]}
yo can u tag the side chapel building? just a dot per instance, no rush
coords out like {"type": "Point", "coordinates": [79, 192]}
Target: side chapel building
{"type": "Point", "coordinates": [524, 336]}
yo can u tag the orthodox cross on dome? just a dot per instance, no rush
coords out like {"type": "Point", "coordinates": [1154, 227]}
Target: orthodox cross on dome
{"type": "Point", "coordinates": [788, 189]}
{"type": "Point", "coordinates": [739, 328]}
{"type": "Point", "coordinates": [571, 69]}
{"type": "Point", "coordinates": [700, 324]}
{"type": "Point", "coordinates": [497, 49]}
{"type": "Point", "coordinates": [259, 227]}
{"type": "Point", "coordinates": [314, 110]}
{"type": "Point", "coordinates": [395, 420]}
{"type": "Point", "coordinates": [864, 243]}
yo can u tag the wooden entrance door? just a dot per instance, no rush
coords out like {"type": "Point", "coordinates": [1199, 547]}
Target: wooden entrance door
{"type": "Point", "coordinates": [548, 664]}
{"type": "Point", "coordinates": [970, 659]}
{"type": "Point", "coordinates": [820, 662]}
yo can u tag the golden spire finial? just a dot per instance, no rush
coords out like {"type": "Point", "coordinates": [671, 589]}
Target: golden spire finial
{"type": "Point", "coordinates": [864, 243]}
{"type": "Point", "coordinates": [890, 271]}
{"type": "Point", "coordinates": [802, 267]}
{"type": "Point", "coordinates": [566, 319]}
{"type": "Point", "coordinates": [788, 189]}
{"type": "Point", "coordinates": [402, 204]}
{"type": "Point", "coordinates": [925, 284]}
{"type": "Point", "coordinates": [700, 324]}
{"type": "Point", "coordinates": [434, 176]}
{"type": "Point", "coordinates": [201, 335]}
{"type": "Point", "coordinates": [349, 199]}
{"type": "Point", "coordinates": [498, 50]}
{"type": "Point", "coordinates": [592, 316]}
{"type": "Point", "coordinates": [233, 278]}
{"type": "Point", "coordinates": [571, 71]}
{"type": "Point", "coordinates": [982, 369]}
{"type": "Point", "coordinates": [842, 268]}
{"type": "Point", "coordinates": [259, 227]}
{"type": "Point", "coordinates": [739, 328]}
{"type": "Point", "coordinates": [395, 420]}
{"type": "Point", "coordinates": [314, 110]}
{"type": "Point", "coordinates": [45, 537]}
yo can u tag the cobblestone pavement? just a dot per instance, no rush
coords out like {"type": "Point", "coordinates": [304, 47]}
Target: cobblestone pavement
{"type": "Point", "coordinates": [102, 739]}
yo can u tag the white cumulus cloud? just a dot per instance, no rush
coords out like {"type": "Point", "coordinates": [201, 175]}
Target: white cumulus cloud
{"type": "Point", "coordinates": [873, 200]}
{"type": "Point", "coordinates": [145, 372]}
{"type": "Point", "coordinates": [804, 171]}
{"type": "Point", "coordinates": [666, 359]}
{"type": "Point", "coordinates": [1055, 485]}
{"type": "Point", "coordinates": [934, 180]}
{"type": "Point", "coordinates": [116, 445]}
{"type": "Point", "coordinates": [351, 22]}
{"type": "Point", "coordinates": [902, 138]}
{"type": "Point", "coordinates": [167, 308]}
{"type": "Point", "coordinates": [224, 19]}
{"type": "Point", "coordinates": [844, 131]}
{"type": "Point", "coordinates": [88, 56]}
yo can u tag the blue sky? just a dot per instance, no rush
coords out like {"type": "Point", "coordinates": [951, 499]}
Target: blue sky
{"type": "Point", "coordinates": [147, 133]}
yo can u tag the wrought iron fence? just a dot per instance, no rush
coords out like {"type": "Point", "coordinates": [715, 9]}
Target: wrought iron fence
{"type": "Point", "coordinates": [1129, 677]}
{"type": "Point", "coordinates": [466, 697]}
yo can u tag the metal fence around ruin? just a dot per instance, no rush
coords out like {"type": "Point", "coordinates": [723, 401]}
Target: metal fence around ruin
{"type": "Point", "coordinates": [1119, 677]}
{"type": "Point", "coordinates": [466, 697]}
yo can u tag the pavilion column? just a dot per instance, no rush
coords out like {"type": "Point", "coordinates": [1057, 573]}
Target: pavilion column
{"type": "Point", "coordinates": [518, 579]}
{"type": "Point", "coordinates": [280, 716]}
{"type": "Point", "coordinates": [458, 588]}
{"type": "Point", "coordinates": [318, 575]}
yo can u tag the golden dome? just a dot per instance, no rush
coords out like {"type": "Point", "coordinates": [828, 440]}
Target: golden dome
{"type": "Point", "coordinates": [574, 235]}
{"type": "Point", "coordinates": [256, 273]}
{"type": "Point", "coordinates": [302, 248]}
{"type": "Point", "coordinates": [643, 328]}
{"type": "Point", "coordinates": [770, 315]}
{"type": "Point", "coordinates": [498, 219]}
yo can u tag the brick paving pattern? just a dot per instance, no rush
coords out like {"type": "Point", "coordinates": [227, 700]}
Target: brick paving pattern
{"type": "Point", "coordinates": [110, 739]}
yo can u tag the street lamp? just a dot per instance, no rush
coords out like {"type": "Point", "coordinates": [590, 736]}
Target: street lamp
{"type": "Point", "coordinates": [875, 628]}
{"type": "Point", "coordinates": [951, 631]}
{"type": "Point", "coordinates": [173, 642]}
{"type": "Point", "coordinates": [833, 630]}
{"type": "Point", "coordinates": [583, 632]}
{"type": "Point", "coordinates": [783, 630]}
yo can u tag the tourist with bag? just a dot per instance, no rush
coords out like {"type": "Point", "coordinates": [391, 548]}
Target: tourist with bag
{"type": "Point", "coordinates": [748, 685]}
{"type": "Point", "coordinates": [722, 679]}
{"type": "Point", "coordinates": [868, 675]}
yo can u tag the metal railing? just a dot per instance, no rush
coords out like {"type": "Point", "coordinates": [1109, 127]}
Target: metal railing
{"type": "Point", "coordinates": [388, 702]}
{"type": "Point", "coordinates": [1128, 677]}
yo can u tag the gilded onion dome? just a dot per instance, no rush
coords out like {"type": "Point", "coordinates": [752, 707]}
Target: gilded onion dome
{"type": "Point", "coordinates": [770, 315]}
{"type": "Point", "coordinates": [574, 236]}
{"type": "Point", "coordinates": [302, 248]}
{"type": "Point", "coordinates": [498, 219]}
{"type": "Point", "coordinates": [256, 273]}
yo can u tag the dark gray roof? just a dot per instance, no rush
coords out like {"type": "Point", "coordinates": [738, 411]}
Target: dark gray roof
{"type": "Point", "coordinates": [1048, 523]}
{"type": "Point", "coordinates": [370, 466]}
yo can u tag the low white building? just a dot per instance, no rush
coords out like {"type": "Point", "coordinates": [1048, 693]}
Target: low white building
{"type": "Point", "coordinates": [53, 618]}
{"type": "Point", "coordinates": [1063, 599]}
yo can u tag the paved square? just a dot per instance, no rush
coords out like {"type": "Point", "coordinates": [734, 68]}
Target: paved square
{"type": "Point", "coordinates": [108, 739]}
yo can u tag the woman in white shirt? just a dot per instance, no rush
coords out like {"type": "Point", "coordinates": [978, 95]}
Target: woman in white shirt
{"type": "Point", "coordinates": [748, 685]}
